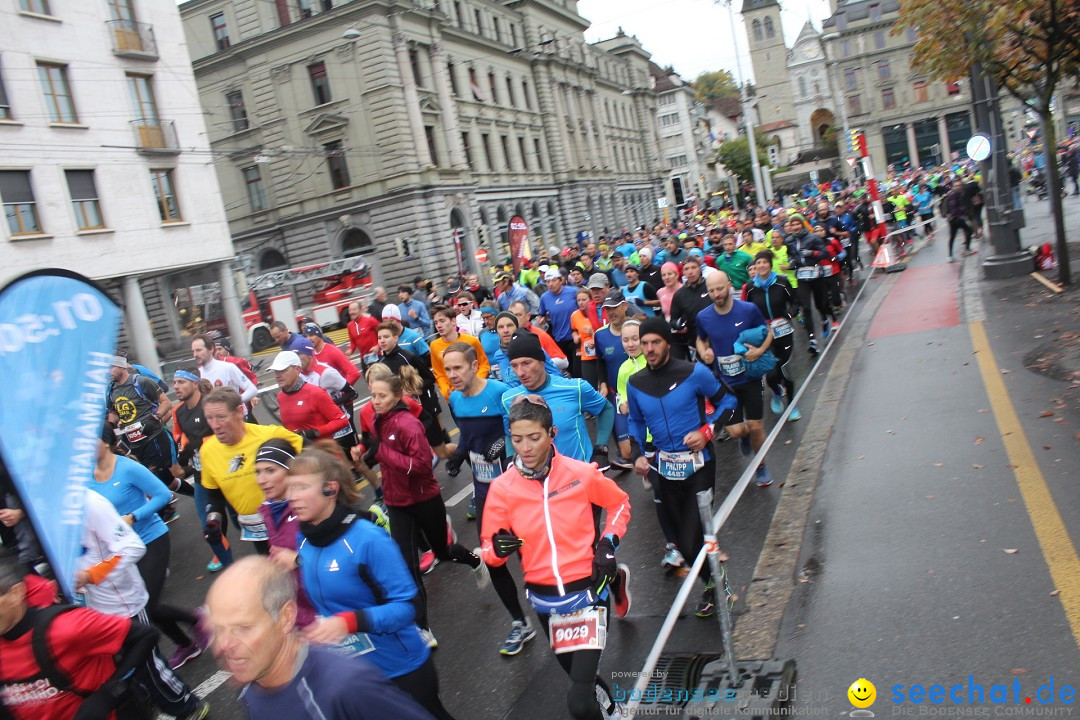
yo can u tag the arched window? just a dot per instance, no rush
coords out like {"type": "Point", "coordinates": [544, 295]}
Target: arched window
{"type": "Point", "coordinates": [355, 242]}
{"type": "Point", "coordinates": [757, 29]}
{"type": "Point", "coordinates": [271, 260]}
{"type": "Point", "coordinates": [769, 32]}
{"type": "Point", "coordinates": [802, 86]}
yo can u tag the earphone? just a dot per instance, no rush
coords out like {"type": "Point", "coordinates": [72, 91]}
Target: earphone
{"type": "Point", "coordinates": [327, 491]}
{"type": "Point", "coordinates": [551, 432]}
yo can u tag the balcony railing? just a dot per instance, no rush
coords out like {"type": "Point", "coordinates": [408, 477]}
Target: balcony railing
{"type": "Point", "coordinates": [133, 39]}
{"type": "Point", "coordinates": [155, 136]}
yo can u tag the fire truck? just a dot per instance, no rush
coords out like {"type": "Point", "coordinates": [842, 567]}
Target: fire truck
{"type": "Point", "coordinates": [275, 295]}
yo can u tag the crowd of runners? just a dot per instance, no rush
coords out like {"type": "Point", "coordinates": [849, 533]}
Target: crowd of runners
{"type": "Point", "coordinates": [596, 363]}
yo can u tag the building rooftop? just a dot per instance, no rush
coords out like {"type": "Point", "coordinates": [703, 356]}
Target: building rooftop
{"type": "Point", "coordinates": [860, 10]}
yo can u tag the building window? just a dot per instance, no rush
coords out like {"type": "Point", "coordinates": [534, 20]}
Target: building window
{"type": "Point", "coordinates": [142, 98]}
{"type": "Point", "coordinates": [669, 120]}
{"type": "Point", "coordinates": [513, 35]}
{"type": "Point", "coordinates": [494, 90]}
{"type": "Point", "coordinates": [951, 89]}
{"type": "Point", "coordinates": [479, 22]}
{"type": "Point", "coordinates": [912, 34]}
{"type": "Point", "coordinates": [414, 63]}
{"type": "Point", "coordinates": [237, 111]}
{"type": "Point", "coordinates": [453, 78]}
{"type": "Point", "coordinates": [510, 91]}
{"type": "Point", "coordinates": [854, 105]}
{"type": "Point", "coordinates": [524, 155]}
{"type": "Point", "coordinates": [505, 142]}
{"type": "Point", "coordinates": [282, 12]}
{"type": "Point", "coordinates": [921, 93]}
{"type": "Point", "coordinates": [304, 6]}
{"type": "Point", "coordinates": [336, 164]}
{"type": "Point", "coordinates": [845, 48]}
{"type": "Point", "coordinates": [884, 70]}
{"type": "Point", "coordinates": [485, 143]}
{"type": "Point", "coordinates": [429, 133]}
{"type": "Point", "coordinates": [802, 86]}
{"type": "Point", "coordinates": [467, 148]}
{"type": "Point", "coordinates": [18, 197]}
{"type": "Point", "coordinates": [58, 99]}
{"type": "Point", "coordinates": [875, 12]}
{"type": "Point", "coordinates": [524, 94]}
{"type": "Point", "coordinates": [888, 99]}
{"type": "Point", "coordinates": [756, 25]}
{"type": "Point", "coordinates": [256, 192]}
{"type": "Point", "coordinates": [539, 155]}
{"type": "Point", "coordinates": [678, 161]}
{"type": "Point", "coordinates": [498, 29]}
{"type": "Point", "coordinates": [841, 22]}
{"type": "Point", "coordinates": [458, 17]}
{"type": "Point", "coordinates": [770, 32]}
{"type": "Point", "coordinates": [879, 40]}
{"type": "Point", "coordinates": [5, 105]}
{"type": "Point", "coordinates": [84, 199]}
{"type": "Point", "coordinates": [474, 84]}
{"type": "Point", "coordinates": [165, 195]}
{"type": "Point", "coordinates": [41, 7]}
{"type": "Point", "coordinates": [221, 31]}
{"type": "Point", "coordinates": [320, 83]}
{"type": "Point", "coordinates": [328, 5]}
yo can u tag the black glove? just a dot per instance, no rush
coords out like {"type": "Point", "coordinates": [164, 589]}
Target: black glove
{"type": "Point", "coordinates": [600, 457]}
{"type": "Point", "coordinates": [495, 451]}
{"type": "Point", "coordinates": [505, 543]}
{"type": "Point", "coordinates": [308, 434]}
{"type": "Point", "coordinates": [603, 564]}
{"type": "Point", "coordinates": [453, 465]}
{"type": "Point", "coordinates": [212, 529]}
{"type": "Point", "coordinates": [98, 705]}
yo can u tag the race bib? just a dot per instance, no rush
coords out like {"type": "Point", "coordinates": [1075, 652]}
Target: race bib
{"type": "Point", "coordinates": [343, 432]}
{"type": "Point", "coordinates": [826, 270]}
{"type": "Point", "coordinates": [482, 470]}
{"type": "Point", "coordinates": [781, 327]}
{"type": "Point", "coordinates": [196, 462]}
{"type": "Point", "coordinates": [588, 349]}
{"type": "Point", "coordinates": [732, 365]}
{"type": "Point", "coordinates": [371, 358]}
{"type": "Point", "coordinates": [355, 645]}
{"type": "Point", "coordinates": [678, 465]}
{"type": "Point", "coordinates": [495, 372]}
{"type": "Point", "coordinates": [252, 527]}
{"type": "Point", "coordinates": [808, 273]}
{"type": "Point", "coordinates": [582, 630]}
{"type": "Point", "coordinates": [134, 432]}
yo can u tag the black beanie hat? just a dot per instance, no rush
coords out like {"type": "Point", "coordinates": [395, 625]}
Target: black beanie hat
{"type": "Point", "coordinates": [525, 345]}
{"type": "Point", "coordinates": [656, 326]}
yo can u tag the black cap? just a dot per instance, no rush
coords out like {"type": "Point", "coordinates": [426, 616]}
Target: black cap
{"type": "Point", "coordinates": [525, 345]}
{"type": "Point", "coordinates": [655, 326]}
{"type": "Point", "coordinates": [614, 298]}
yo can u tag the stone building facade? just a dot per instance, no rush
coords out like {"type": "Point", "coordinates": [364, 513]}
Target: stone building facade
{"type": "Point", "coordinates": [379, 127]}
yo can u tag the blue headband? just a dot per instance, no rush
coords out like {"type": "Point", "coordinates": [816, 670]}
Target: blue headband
{"type": "Point", "coordinates": [185, 375]}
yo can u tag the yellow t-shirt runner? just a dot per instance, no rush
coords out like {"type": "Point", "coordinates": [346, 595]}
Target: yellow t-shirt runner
{"type": "Point", "coordinates": [231, 468]}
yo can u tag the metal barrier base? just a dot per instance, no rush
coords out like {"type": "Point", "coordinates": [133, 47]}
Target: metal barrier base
{"type": "Point", "coordinates": [700, 684]}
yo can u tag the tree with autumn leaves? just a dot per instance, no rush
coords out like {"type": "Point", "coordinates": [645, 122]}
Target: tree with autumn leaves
{"type": "Point", "coordinates": [1029, 47]}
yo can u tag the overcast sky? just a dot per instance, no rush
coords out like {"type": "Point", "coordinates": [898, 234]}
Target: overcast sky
{"type": "Point", "coordinates": [691, 35]}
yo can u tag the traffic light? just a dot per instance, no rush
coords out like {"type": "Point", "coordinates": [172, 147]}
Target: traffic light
{"type": "Point", "coordinates": [856, 142]}
{"type": "Point", "coordinates": [677, 191]}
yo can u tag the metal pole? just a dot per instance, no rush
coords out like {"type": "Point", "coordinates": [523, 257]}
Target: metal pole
{"type": "Point", "coordinates": [744, 100]}
{"type": "Point", "coordinates": [712, 551]}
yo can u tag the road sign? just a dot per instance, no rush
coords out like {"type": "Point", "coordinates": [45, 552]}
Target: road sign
{"type": "Point", "coordinates": [851, 162]}
{"type": "Point", "coordinates": [661, 202]}
{"type": "Point", "coordinates": [481, 256]}
{"type": "Point", "coordinates": [978, 147]}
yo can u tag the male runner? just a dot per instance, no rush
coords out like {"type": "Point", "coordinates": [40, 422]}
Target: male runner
{"type": "Point", "coordinates": [330, 354]}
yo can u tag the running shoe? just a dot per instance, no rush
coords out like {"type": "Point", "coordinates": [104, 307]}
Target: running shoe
{"type": "Point", "coordinates": [521, 632]}
{"type": "Point", "coordinates": [744, 445]}
{"type": "Point", "coordinates": [470, 514]}
{"type": "Point", "coordinates": [952, 259]}
{"type": "Point", "coordinates": [826, 330]}
{"type": "Point", "coordinates": [969, 251]}
{"type": "Point", "coordinates": [795, 415]}
{"type": "Point", "coordinates": [764, 479]}
{"type": "Point", "coordinates": [429, 638]}
{"type": "Point", "coordinates": [379, 516]}
{"type": "Point", "coordinates": [812, 346]}
{"type": "Point", "coordinates": [672, 557]}
{"type": "Point", "coordinates": [428, 561]}
{"type": "Point", "coordinates": [777, 403]}
{"type": "Point", "coordinates": [451, 536]}
{"type": "Point", "coordinates": [183, 654]}
{"type": "Point", "coordinates": [622, 463]}
{"type": "Point", "coordinates": [480, 572]}
{"type": "Point", "coordinates": [835, 325]}
{"type": "Point", "coordinates": [707, 606]}
{"type": "Point", "coordinates": [214, 565]}
{"type": "Point", "coordinates": [620, 590]}
{"type": "Point", "coordinates": [168, 514]}
{"type": "Point", "coordinates": [201, 711]}
{"type": "Point", "coordinates": [609, 709]}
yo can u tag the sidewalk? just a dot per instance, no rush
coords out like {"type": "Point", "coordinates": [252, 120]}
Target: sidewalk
{"type": "Point", "coordinates": [942, 539]}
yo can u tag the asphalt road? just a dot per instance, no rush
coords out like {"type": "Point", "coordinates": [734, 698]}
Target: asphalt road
{"type": "Point", "coordinates": [476, 681]}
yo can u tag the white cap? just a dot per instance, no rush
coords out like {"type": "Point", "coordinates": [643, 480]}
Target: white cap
{"type": "Point", "coordinates": [285, 359]}
{"type": "Point", "coordinates": [391, 311]}
{"type": "Point", "coordinates": [552, 273]}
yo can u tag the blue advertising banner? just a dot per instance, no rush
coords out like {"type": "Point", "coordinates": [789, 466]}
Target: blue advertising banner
{"type": "Point", "coordinates": [58, 334]}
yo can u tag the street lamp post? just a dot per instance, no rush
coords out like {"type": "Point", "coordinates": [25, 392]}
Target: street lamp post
{"type": "Point", "coordinates": [747, 109]}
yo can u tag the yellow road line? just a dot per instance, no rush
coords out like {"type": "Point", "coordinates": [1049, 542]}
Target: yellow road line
{"type": "Point", "coordinates": [1048, 283]}
{"type": "Point", "coordinates": [1057, 547]}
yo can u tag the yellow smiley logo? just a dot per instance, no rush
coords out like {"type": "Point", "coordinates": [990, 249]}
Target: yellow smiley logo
{"type": "Point", "coordinates": [862, 693]}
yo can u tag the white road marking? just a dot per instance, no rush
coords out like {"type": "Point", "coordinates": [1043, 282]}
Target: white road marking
{"type": "Point", "coordinates": [460, 495]}
{"type": "Point", "coordinates": [207, 686]}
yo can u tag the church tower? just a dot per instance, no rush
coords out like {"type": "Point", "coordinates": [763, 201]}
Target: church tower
{"type": "Point", "coordinates": [769, 56]}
